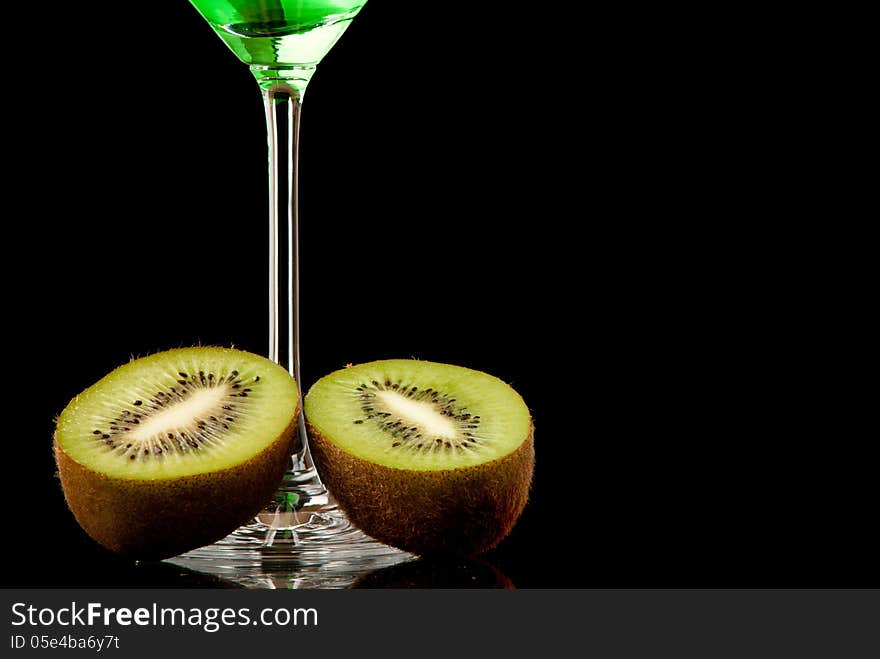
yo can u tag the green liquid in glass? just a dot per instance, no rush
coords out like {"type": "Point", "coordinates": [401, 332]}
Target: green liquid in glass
{"type": "Point", "coordinates": [279, 33]}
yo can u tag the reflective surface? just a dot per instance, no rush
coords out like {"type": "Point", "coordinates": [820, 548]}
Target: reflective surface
{"type": "Point", "coordinates": [437, 573]}
{"type": "Point", "coordinates": [380, 573]}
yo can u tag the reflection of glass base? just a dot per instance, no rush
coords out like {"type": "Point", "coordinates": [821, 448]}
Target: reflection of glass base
{"type": "Point", "coordinates": [302, 540]}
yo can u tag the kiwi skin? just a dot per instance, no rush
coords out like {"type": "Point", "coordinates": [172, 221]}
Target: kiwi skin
{"type": "Point", "coordinates": [455, 512]}
{"type": "Point", "coordinates": [156, 519]}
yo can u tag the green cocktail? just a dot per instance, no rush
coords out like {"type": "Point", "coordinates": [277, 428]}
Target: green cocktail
{"type": "Point", "coordinates": [268, 33]}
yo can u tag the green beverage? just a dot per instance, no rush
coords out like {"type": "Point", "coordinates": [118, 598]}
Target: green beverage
{"type": "Point", "coordinates": [270, 33]}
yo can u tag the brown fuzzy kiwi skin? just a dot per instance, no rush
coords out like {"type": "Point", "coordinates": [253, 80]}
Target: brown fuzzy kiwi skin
{"type": "Point", "coordinates": [455, 512]}
{"type": "Point", "coordinates": [159, 518]}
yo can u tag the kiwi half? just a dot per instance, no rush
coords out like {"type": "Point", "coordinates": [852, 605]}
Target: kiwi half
{"type": "Point", "coordinates": [431, 458]}
{"type": "Point", "coordinates": [174, 451]}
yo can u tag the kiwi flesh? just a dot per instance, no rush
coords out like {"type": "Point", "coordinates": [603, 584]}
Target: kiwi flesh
{"type": "Point", "coordinates": [431, 458]}
{"type": "Point", "coordinates": [175, 450]}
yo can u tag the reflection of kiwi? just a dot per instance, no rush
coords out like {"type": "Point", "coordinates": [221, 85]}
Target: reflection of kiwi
{"type": "Point", "coordinates": [431, 458]}
{"type": "Point", "coordinates": [437, 573]}
{"type": "Point", "coordinates": [174, 451]}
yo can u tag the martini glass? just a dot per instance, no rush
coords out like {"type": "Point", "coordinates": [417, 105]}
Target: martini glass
{"type": "Point", "coordinates": [301, 531]}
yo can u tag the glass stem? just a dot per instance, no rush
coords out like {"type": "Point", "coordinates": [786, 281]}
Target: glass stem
{"type": "Point", "coordinates": [283, 102]}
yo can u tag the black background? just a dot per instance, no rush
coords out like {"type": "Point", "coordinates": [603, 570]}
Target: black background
{"type": "Point", "coordinates": [580, 205]}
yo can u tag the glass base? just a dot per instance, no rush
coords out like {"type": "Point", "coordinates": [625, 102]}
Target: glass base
{"type": "Point", "coordinates": [301, 540]}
